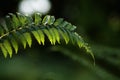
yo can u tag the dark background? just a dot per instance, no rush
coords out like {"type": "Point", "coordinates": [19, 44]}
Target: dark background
{"type": "Point", "coordinates": [97, 21]}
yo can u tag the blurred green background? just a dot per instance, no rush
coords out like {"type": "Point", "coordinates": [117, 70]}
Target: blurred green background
{"type": "Point", "coordinates": [97, 21]}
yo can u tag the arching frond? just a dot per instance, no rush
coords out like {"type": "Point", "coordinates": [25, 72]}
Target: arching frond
{"type": "Point", "coordinates": [19, 28]}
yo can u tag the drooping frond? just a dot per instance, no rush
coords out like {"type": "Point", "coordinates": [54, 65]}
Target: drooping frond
{"type": "Point", "coordinates": [19, 28]}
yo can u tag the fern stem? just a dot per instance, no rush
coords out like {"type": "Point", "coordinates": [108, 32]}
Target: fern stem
{"type": "Point", "coordinates": [14, 30]}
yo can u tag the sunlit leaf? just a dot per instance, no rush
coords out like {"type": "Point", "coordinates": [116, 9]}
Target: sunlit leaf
{"type": "Point", "coordinates": [56, 34]}
{"type": "Point", "coordinates": [8, 47]}
{"type": "Point", "coordinates": [28, 38]}
{"type": "Point", "coordinates": [13, 43]}
{"type": "Point", "coordinates": [42, 37]}
{"type": "Point", "coordinates": [48, 34]}
{"type": "Point", "coordinates": [36, 35]}
{"type": "Point", "coordinates": [3, 50]}
{"type": "Point", "coordinates": [53, 36]}
{"type": "Point", "coordinates": [21, 29]}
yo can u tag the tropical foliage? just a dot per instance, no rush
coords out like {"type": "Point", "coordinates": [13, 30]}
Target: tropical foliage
{"type": "Point", "coordinates": [19, 28]}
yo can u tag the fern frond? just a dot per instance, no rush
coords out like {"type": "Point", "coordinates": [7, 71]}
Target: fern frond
{"type": "Point", "coordinates": [19, 28]}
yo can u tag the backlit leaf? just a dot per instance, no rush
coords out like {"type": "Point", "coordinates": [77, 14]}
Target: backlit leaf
{"type": "Point", "coordinates": [28, 38]}
{"type": "Point", "coordinates": [14, 43]}
{"type": "Point", "coordinates": [36, 35]}
{"type": "Point", "coordinates": [48, 34]}
{"type": "Point", "coordinates": [42, 37]}
{"type": "Point", "coordinates": [8, 47]}
{"type": "Point", "coordinates": [3, 50]}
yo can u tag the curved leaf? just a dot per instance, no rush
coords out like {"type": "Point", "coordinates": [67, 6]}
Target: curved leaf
{"type": "Point", "coordinates": [28, 38]}
{"type": "Point", "coordinates": [14, 43]}
{"type": "Point", "coordinates": [20, 27]}
{"type": "Point", "coordinates": [3, 50]}
{"type": "Point", "coordinates": [20, 38]}
{"type": "Point", "coordinates": [8, 47]}
{"type": "Point", "coordinates": [36, 35]}
{"type": "Point", "coordinates": [48, 34]}
{"type": "Point", "coordinates": [56, 34]}
{"type": "Point", "coordinates": [42, 37]}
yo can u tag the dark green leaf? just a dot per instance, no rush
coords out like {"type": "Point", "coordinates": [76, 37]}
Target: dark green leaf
{"type": "Point", "coordinates": [37, 19]}
{"type": "Point", "coordinates": [20, 38]}
{"type": "Point", "coordinates": [22, 19]}
{"type": "Point", "coordinates": [63, 24]}
{"type": "Point", "coordinates": [64, 34]}
{"type": "Point", "coordinates": [58, 22]}
{"type": "Point", "coordinates": [70, 27]}
{"type": "Point", "coordinates": [1, 30]}
{"type": "Point", "coordinates": [15, 22]}
{"type": "Point", "coordinates": [8, 24]}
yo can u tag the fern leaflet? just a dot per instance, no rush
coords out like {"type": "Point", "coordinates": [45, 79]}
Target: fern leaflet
{"type": "Point", "coordinates": [19, 28]}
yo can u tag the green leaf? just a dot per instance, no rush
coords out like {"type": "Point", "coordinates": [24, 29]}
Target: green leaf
{"type": "Point", "coordinates": [20, 38]}
{"type": "Point", "coordinates": [53, 35]}
{"type": "Point", "coordinates": [36, 35]}
{"type": "Point", "coordinates": [42, 37]}
{"type": "Point", "coordinates": [38, 18]}
{"type": "Point", "coordinates": [46, 20]}
{"type": "Point", "coordinates": [8, 47]}
{"type": "Point", "coordinates": [14, 43]}
{"type": "Point", "coordinates": [28, 38]}
{"type": "Point", "coordinates": [8, 24]}
{"type": "Point", "coordinates": [48, 34]}
{"type": "Point", "coordinates": [1, 30]}
{"type": "Point", "coordinates": [3, 50]}
{"type": "Point", "coordinates": [20, 27]}
{"type": "Point", "coordinates": [64, 35]}
{"type": "Point", "coordinates": [15, 22]}
{"type": "Point", "coordinates": [70, 27]}
{"type": "Point", "coordinates": [71, 36]}
{"type": "Point", "coordinates": [81, 43]}
{"type": "Point", "coordinates": [63, 24]}
{"type": "Point", "coordinates": [29, 21]}
{"type": "Point", "coordinates": [22, 19]}
{"type": "Point", "coordinates": [51, 20]}
{"type": "Point", "coordinates": [79, 40]}
{"type": "Point", "coordinates": [56, 34]}
{"type": "Point", "coordinates": [58, 22]}
{"type": "Point", "coordinates": [89, 51]}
